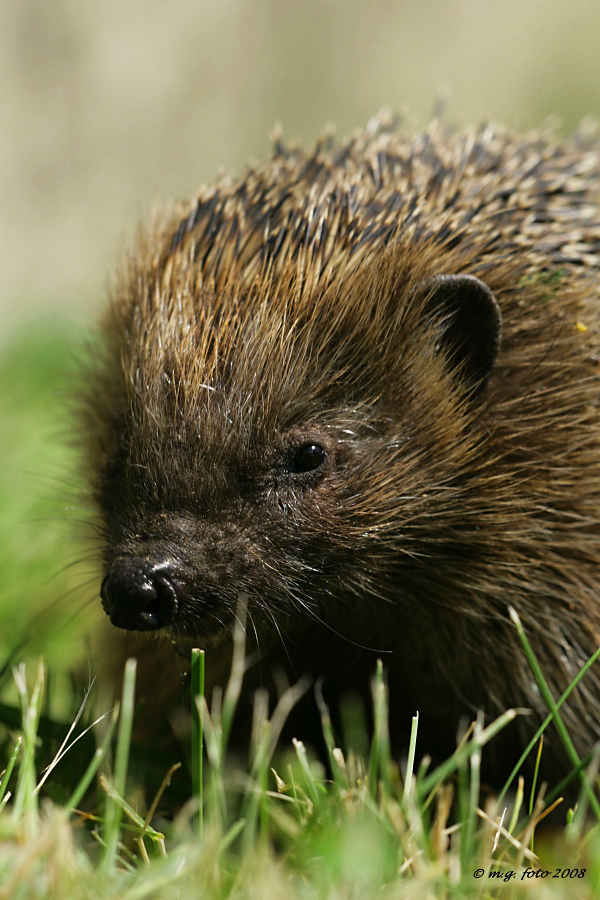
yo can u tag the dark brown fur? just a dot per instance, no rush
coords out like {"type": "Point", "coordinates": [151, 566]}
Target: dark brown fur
{"type": "Point", "coordinates": [291, 305]}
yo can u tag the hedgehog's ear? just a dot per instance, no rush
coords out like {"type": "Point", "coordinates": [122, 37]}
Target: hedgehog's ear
{"type": "Point", "coordinates": [471, 324]}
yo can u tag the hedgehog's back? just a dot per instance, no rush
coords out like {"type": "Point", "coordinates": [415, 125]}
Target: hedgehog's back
{"type": "Point", "coordinates": [488, 193]}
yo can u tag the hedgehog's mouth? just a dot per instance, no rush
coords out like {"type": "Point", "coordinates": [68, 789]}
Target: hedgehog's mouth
{"type": "Point", "coordinates": [203, 622]}
{"type": "Point", "coordinates": [207, 623]}
{"type": "Point", "coordinates": [185, 643]}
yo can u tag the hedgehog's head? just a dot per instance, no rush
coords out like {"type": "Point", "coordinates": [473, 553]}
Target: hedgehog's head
{"type": "Point", "coordinates": [271, 441]}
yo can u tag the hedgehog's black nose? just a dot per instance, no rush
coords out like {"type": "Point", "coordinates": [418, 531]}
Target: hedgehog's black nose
{"type": "Point", "coordinates": [139, 594]}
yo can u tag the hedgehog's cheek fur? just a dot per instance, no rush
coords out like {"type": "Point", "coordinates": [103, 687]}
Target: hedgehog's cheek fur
{"type": "Point", "coordinates": [470, 322]}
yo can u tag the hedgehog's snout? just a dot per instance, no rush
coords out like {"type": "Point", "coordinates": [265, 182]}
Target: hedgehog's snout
{"type": "Point", "coordinates": [139, 594]}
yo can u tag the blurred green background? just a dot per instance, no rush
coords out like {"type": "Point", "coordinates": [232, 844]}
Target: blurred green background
{"type": "Point", "coordinates": [110, 108]}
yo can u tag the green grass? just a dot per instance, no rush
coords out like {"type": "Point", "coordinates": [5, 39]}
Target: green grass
{"type": "Point", "coordinates": [40, 596]}
{"type": "Point", "coordinates": [278, 827]}
{"type": "Point", "coordinates": [77, 817]}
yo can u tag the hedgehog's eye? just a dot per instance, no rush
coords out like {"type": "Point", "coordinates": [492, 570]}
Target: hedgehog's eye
{"type": "Point", "coordinates": [307, 457]}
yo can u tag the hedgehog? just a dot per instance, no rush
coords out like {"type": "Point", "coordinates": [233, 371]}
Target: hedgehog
{"type": "Point", "coordinates": [356, 389]}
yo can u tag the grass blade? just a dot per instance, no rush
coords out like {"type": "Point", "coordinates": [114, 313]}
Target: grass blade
{"type": "Point", "coordinates": [113, 808]}
{"type": "Point", "coordinates": [198, 736]}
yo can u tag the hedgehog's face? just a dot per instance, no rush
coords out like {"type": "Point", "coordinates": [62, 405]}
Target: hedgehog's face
{"type": "Point", "coordinates": [266, 531]}
{"type": "Point", "coordinates": [278, 488]}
